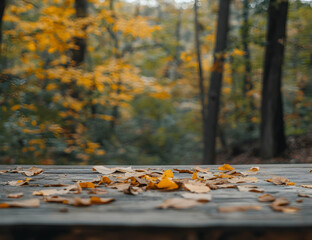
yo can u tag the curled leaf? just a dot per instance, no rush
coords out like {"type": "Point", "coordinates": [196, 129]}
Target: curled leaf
{"type": "Point", "coordinates": [226, 167]}
{"type": "Point", "coordinates": [266, 198]}
{"type": "Point", "coordinates": [31, 171]}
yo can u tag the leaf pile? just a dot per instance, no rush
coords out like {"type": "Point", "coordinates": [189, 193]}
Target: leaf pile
{"type": "Point", "coordinates": [195, 188]}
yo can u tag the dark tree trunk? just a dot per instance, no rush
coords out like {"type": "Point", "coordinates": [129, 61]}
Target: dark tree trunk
{"type": "Point", "coordinates": [78, 56]}
{"type": "Point", "coordinates": [200, 75]}
{"type": "Point", "coordinates": [216, 81]}
{"type": "Point", "coordinates": [2, 7]}
{"type": "Point", "coordinates": [272, 123]}
{"type": "Point", "coordinates": [245, 39]}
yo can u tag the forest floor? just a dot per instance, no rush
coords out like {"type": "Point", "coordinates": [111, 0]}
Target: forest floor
{"type": "Point", "coordinates": [299, 151]}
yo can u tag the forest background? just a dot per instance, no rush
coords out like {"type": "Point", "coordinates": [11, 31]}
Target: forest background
{"type": "Point", "coordinates": [116, 82]}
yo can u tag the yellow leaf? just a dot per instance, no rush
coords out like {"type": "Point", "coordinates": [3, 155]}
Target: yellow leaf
{"type": "Point", "coordinates": [167, 184]}
{"type": "Point", "coordinates": [167, 174]}
{"type": "Point", "coordinates": [86, 185]}
{"type": "Point", "coordinates": [194, 176]}
{"type": "Point", "coordinates": [226, 167]}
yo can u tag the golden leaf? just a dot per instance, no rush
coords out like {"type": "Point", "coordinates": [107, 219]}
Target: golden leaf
{"type": "Point", "coordinates": [226, 167]}
{"type": "Point", "coordinates": [167, 184]}
{"type": "Point", "coordinates": [86, 185]}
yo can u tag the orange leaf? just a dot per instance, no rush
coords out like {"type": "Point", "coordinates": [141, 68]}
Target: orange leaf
{"type": "Point", "coordinates": [226, 167]}
{"type": "Point", "coordinates": [167, 184]}
{"type": "Point", "coordinates": [167, 174]}
{"type": "Point", "coordinates": [194, 176]}
{"type": "Point", "coordinates": [86, 185]}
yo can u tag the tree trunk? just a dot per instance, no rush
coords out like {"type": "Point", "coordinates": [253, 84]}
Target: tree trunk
{"type": "Point", "coordinates": [216, 81]}
{"type": "Point", "coordinates": [245, 39]}
{"type": "Point", "coordinates": [78, 56]}
{"type": "Point", "coordinates": [272, 124]}
{"type": "Point", "coordinates": [200, 76]}
{"type": "Point", "coordinates": [2, 7]}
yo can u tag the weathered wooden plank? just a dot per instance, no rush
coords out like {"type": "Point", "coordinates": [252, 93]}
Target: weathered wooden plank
{"type": "Point", "coordinates": [141, 211]}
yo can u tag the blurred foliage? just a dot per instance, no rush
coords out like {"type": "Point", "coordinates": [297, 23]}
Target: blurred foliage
{"type": "Point", "coordinates": [53, 112]}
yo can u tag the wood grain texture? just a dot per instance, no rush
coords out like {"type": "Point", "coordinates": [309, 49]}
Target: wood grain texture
{"type": "Point", "coordinates": [141, 211]}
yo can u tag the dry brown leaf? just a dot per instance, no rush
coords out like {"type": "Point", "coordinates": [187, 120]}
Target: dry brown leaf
{"type": "Point", "coordinates": [55, 185]}
{"type": "Point", "coordinates": [49, 192]}
{"type": "Point", "coordinates": [226, 167]}
{"type": "Point", "coordinates": [311, 170]}
{"type": "Point", "coordinates": [306, 186]}
{"type": "Point", "coordinates": [179, 203]}
{"type": "Point", "coordinates": [243, 180]}
{"type": "Point", "coordinates": [3, 171]}
{"type": "Point", "coordinates": [278, 180]}
{"type": "Point", "coordinates": [133, 190]}
{"type": "Point", "coordinates": [196, 188]}
{"type": "Point", "coordinates": [299, 200]}
{"type": "Point", "coordinates": [221, 186]}
{"type": "Point", "coordinates": [183, 170]}
{"type": "Point", "coordinates": [202, 197]}
{"type": "Point", "coordinates": [230, 209]}
{"type": "Point", "coordinates": [167, 184]}
{"type": "Point", "coordinates": [120, 186]}
{"type": "Point", "coordinates": [224, 175]}
{"type": "Point", "coordinates": [202, 170]}
{"type": "Point", "coordinates": [304, 195]}
{"type": "Point", "coordinates": [56, 199]}
{"type": "Point", "coordinates": [266, 198]}
{"type": "Point", "coordinates": [97, 191]}
{"type": "Point", "coordinates": [19, 182]}
{"type": "Point", "coordinates": [106, 171]}
{"type": "Point", "coordinates": [32, 203]}
{"type": "Point", "coordinates": [250, 188]}
{"type": "Point", "coordinates": [15, 195]}
{"type": "Point", "coordinates": [31, 171]}
{"type": "Point", "coordinates": [281, 205]}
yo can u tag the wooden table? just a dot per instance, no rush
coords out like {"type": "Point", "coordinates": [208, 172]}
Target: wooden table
{"type": "Point", "coordinates": [136, 217]}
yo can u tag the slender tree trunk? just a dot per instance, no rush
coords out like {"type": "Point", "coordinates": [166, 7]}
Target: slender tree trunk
{"type": "Point", "coordinates": [216, 81]}
{"type": "Point", "coordinates": [245, 39]}
{"type": "Point", "coordinates": [272, 124]}
{"type": "Point", "coordinates": [115, 112]}
{"type": "Point", "coordinates": [200, 77]}
{"type": "Point", "coordinates": [2, 7]}
{"type": "Point", "coordinates": [78, 55]}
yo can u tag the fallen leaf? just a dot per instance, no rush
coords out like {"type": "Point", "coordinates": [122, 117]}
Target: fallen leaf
{"type": "Point", "coordinates": [304, 195]}
{"type": "Point", "coordinates": [167, 184]}
{"type": "Point", "coordinates": [196, 188]}
{"type": "Point", "coordinates": [167, 174]}
{"type": "Point", "coordinates": [31, 171]}
{"type": "Point", "coordinates": [86, 185]}
{"type": "Point", "coordinates": [203, 197]}
{"type": "Point", "coordinates": [179, 203]}
{"type": "Point", "coordinates": [194, 176]}
{"type": "Point", "coordinates": [224, 175]}
{"type": "Point", "coordinates": [278, 180]}
{"type": "Point", "coordinates": [97, 200]}
{"type": "Point", "coordinates": [250, 188]}
{"type": "Point", "coordinates": [97, 191]}
{"type": "Point", "coordinates": [226, 167]}
{"type": "Point", "coordinates": [221, 186]}
{"type": "Point", "coordinates": [230, 209]}
{"type": "Point", "coordinates": [243, 180]}
{"type": "Point", "coordinates": [183, 170]}
{"type": "Point", "coordinates": [299, 200]}
{"type": "Point", "coordinates": [202, 170]}
{"type": "Point", "coordinates": [306, 186]}
{"type": "Point", "coordinates": [311, 170]}
{"type": "Point", "coordinates": [55, 199]}
{"type": "Point", "coordinates": [55, 185]}
{"type": "Point", "coordinates": [254, 169]}
{"type": "Point", "coordinates": [132, 190]}
{"type": "Point", "coordinates": [266, 198]}
{"type": "Point", "coordinates": [48, 192]}
{"type": "Point", "coordinates": [106, 171]}
{"type": "Point", "coordinates": [80, 202]}
{"type": "Point", "coordinates": [3, 171]}
{"type": "Point", "coordinates": [15, 195]}
{"type": "Point", "coordinates": [281, 205]}
{"type": "Point", "coordinates": [18, 182]}
{"type": "Point", "coordinates": [32, 203]}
